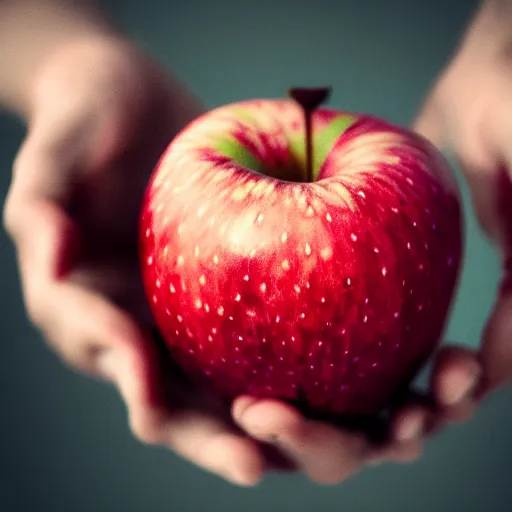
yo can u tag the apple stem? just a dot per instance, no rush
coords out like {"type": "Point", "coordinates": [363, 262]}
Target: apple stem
{"type": "Point", "coordinates": [309, 98]}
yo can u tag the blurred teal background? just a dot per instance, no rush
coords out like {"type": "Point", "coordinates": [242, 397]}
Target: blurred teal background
{"type": "Point", "coordinates": [64, 440]}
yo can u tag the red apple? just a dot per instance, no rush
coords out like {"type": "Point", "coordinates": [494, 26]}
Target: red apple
{"type": "Point", "coordinates": [330, 292]}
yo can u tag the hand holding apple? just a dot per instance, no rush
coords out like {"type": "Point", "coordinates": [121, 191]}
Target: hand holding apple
{"type": "Point", "coordinates": [308, 258]}
{"type": "Point", "coordinates": [468, 112]}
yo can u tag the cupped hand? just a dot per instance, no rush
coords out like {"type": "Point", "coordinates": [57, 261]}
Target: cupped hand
{"type": "Point", "coordinates": [101, 114]}
{"type": "Point", "coordinates": [468, 113]}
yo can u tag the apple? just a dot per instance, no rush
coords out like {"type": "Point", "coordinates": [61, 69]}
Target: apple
{"type": "Point", "coordinates": [299, 252]}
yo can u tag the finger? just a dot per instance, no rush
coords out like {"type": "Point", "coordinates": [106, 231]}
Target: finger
{"type": "Point", "coordinates": [46, 240]}
{"type": "Point", "coordinates": [164, 410]}
{"type": "Point", "coordinates": [455, 376]}
{"type": "Point", "coordinates": [327, 455]}
{"type": "Point", "coordinates": [212, 444]}
{"type": "Point", "coordinates": [407, 433]}
{"type": "Point", "coordinates": [181, 422]}
{"type": "Point", "coordinates": [44, 165]}
{"type": "Point", "coordinates": [496, 351]}
{"type": "Point", "coordinates": [34, 211]}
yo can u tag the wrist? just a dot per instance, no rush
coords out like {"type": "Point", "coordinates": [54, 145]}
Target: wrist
{"type": "Point", "coordinates": [31, 33]}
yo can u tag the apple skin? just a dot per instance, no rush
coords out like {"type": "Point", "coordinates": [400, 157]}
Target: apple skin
{"type": "Point", "coordinates": [329, 294]}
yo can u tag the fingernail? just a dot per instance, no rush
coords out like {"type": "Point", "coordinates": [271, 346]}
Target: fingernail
{"type": "Point", "coordinates": [464, 390]}
{"type": "Point", "coordinates": [240, 415]}
{"type": "Point", "coordinates": [412, 429]}
{"type": "Point", "coordinates": [242, 404]}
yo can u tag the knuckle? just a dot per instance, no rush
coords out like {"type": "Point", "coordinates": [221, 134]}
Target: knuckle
{"type": "Point", "coordinates": [36, 311]}
{"type": "Point", "coordinates": [80, 355]}
{"type": "Point", "coordinates": [72, 350]}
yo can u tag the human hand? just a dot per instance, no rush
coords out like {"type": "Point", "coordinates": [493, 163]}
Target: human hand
{"type": "Point", "coordinates": [468, 112]}
{"type": "Point", "coordinates": [100, 116]}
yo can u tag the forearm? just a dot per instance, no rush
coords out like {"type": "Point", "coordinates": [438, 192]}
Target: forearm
{"type": "Point", "coordinates": [30, 30]}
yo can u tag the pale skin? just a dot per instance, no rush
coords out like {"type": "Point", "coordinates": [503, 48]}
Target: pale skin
{"type": "Point", "coordinates": [93, 102]}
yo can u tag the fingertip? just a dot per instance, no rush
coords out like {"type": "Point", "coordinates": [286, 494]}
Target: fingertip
{"type": "Point", "coordinates": [240, 405]}
{"type": "Point", "coordinates": [456, 376]}
{"type": "Point", "coordinates": [269, 420]}
{"type": "Point", "coordinates": [408, 453]}
{"type": "Point", "coordinates": [409, 424]}
{"type": "Point", "coordinates": [238, 460]}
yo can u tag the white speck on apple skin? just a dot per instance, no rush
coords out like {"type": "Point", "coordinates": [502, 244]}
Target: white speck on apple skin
{"type": "Point", "coordinates": [326, 253]}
